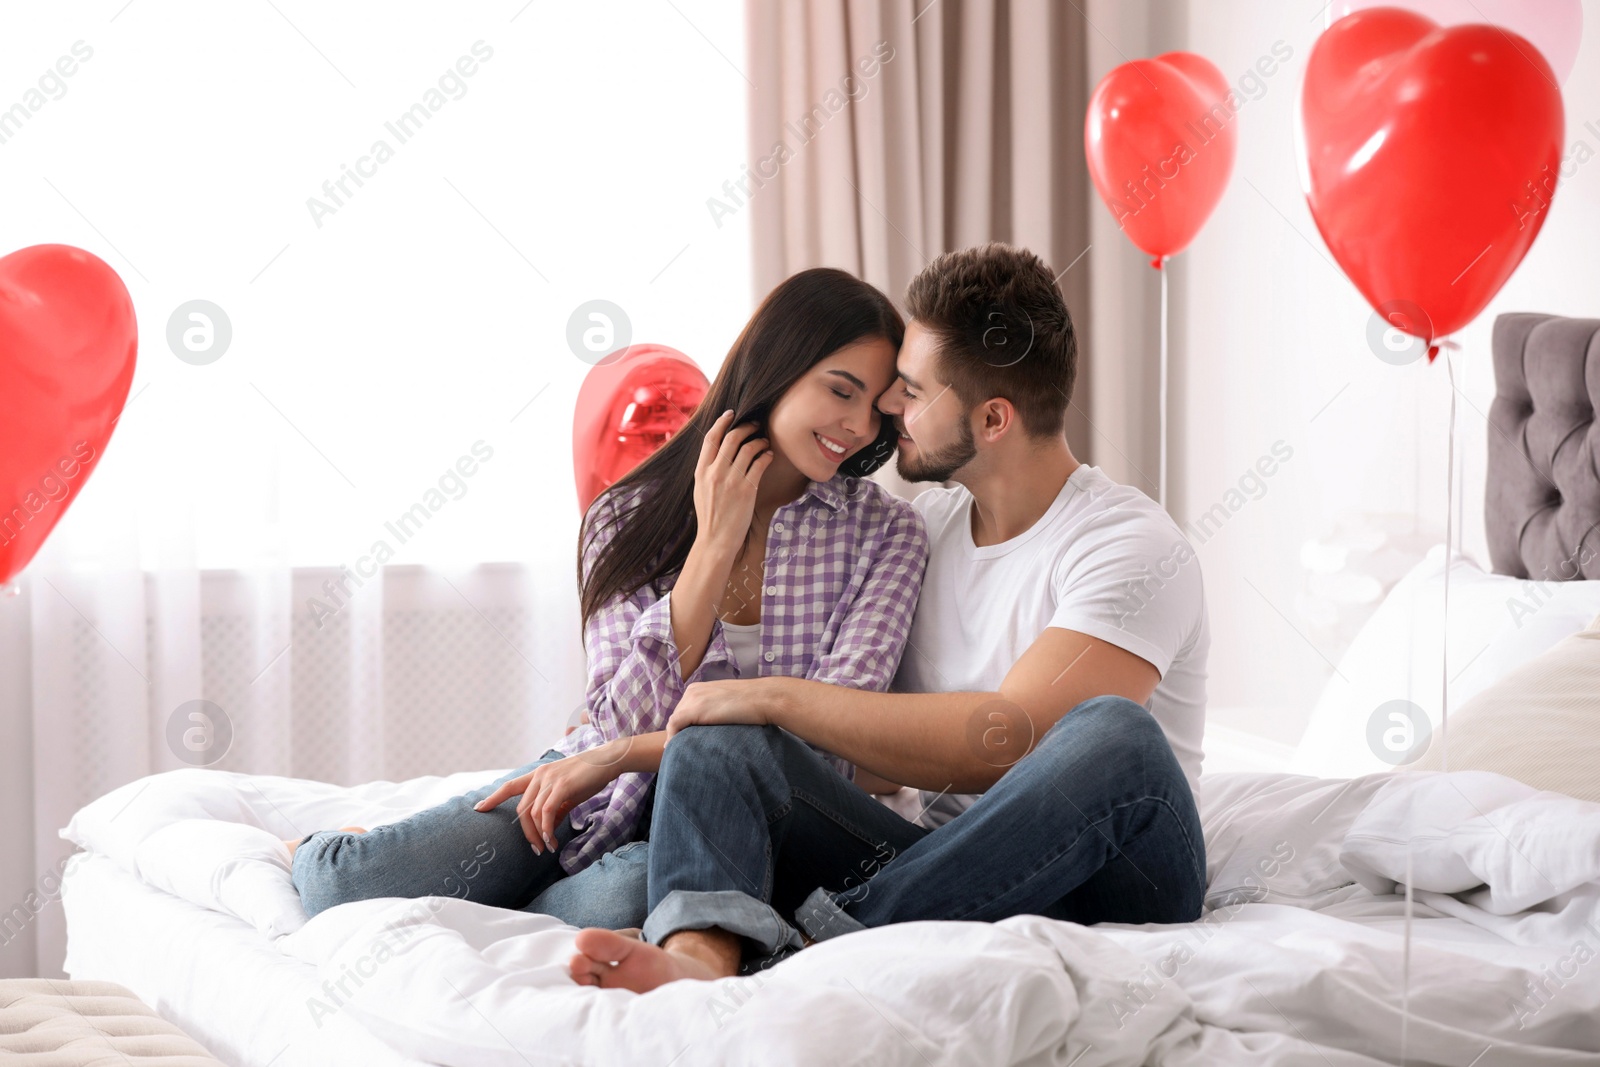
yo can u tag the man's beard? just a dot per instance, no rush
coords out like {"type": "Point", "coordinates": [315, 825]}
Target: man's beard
{"type": "Point", "coordinates": [940, 465]}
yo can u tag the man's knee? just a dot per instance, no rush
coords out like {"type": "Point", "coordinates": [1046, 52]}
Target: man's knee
{"type": "Point", "coordinates": [1114, 713]}
{"type": "Point", "coordinates": [1114, 728]}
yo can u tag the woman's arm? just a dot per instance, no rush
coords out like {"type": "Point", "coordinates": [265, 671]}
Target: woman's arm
{"type": "Point", "coordinates": [644, 650]}
{"type": "Point", "coordinates": [640, 754]}
{"type": "Point", "coordinates": [725, 479]}
{"type": "Point", "coordinates": [693, 603]}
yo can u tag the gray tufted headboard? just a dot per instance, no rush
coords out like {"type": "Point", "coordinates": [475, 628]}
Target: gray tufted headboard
{"type": "Point", "coordinates": [1542, 504]}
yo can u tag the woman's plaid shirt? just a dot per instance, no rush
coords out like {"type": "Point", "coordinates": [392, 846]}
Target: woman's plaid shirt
{"type": "Point", "coordinates": [843, 568]}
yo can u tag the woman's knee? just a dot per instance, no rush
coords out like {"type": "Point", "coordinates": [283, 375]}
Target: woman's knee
{"type": "Point", "coordinates": [612, 892]}
{"type": "Point", "coordinates": [317, 877]}
{"type": "Point", "coordinates": [716, 750]}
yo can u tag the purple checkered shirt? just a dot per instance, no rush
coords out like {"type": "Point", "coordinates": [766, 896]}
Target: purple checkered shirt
{"type": "Point", "coordinates": [843, 568]}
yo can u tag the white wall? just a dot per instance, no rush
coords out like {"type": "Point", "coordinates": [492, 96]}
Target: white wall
{"type": "Point", "coordinates": [1269, 343]}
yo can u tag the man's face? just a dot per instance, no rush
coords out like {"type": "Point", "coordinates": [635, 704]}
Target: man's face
{"type": "Point", "coordinates": [935, 434]}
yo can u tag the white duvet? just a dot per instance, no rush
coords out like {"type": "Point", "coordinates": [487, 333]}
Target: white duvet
{"type": "Point", "coordinates": [1300, 959]}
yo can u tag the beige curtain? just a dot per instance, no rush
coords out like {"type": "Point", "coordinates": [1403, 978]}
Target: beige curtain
{"type": "Point", "coordinates": [884, 132]}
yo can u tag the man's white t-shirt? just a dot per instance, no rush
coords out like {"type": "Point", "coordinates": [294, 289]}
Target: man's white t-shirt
{"type": "Point", "coordinates": [1104, 560]}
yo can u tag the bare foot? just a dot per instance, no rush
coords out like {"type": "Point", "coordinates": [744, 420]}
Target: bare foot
{"type": "Point", "coordinates": [611, 959]}
{"type": "Point", "coordinates": [294, 842]}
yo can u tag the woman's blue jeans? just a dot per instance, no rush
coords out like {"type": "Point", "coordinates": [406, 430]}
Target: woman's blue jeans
{"type": "Point", "coordinates": [453, 850]}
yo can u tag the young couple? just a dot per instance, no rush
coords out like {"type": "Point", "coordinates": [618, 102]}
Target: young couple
{"type": "Point", "coordinates": [748, 597]}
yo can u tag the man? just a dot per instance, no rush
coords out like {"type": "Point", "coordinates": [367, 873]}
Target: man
{"type": "Point", "coordinates": [1056, 667]}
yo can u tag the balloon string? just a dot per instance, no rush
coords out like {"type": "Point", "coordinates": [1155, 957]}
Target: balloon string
{"type": "Point", "coordinates": [1449, 548]}
{"type": "Point", "coordinates": [1162, 489]}
{"type": "Point", "coordinates": [1405, 967]}
{"type": "Point", "coordinates": [1450, 348]}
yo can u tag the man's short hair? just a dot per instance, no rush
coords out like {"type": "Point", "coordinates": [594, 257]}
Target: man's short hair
{"type": "Point", "coordinates": [1003, 330]}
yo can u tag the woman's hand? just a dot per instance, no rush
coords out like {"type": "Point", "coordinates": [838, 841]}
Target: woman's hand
{"type": "Point", "coordinates": [551, 790]}
{"type": "Point", "coordinates": [731, 463]}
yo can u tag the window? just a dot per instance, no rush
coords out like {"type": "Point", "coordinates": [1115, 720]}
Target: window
{"type": "Point", "coordinates": [391, 218]}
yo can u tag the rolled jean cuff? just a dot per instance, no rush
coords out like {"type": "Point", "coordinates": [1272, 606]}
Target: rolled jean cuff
{"type": "Point", "coordinates": [726, 909]}
{"type": "Point", "coordinates": [821, 917]}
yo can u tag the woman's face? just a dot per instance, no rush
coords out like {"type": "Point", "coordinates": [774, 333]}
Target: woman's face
{"type": "Point", "coordinates": [827, 416]}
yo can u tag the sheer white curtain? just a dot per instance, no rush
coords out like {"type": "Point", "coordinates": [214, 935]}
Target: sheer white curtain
{"type": "Point", "coordinates": [344, 548]}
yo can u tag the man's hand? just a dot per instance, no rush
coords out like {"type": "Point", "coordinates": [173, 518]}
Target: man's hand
{"type": "Point", "coordinates": [751, 701]}
{"type": "Point", "coordinates": [959, 741]}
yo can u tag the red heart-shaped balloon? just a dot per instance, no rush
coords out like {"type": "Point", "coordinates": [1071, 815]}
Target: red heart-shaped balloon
{"type": "Point", "coordinates": [627, 407]}
{"type": "Point", "coordinates": [68, 341]}
{"type": "Point", "coordinates": [1160, 136]}
{"type": "Point", "coordinates": [1431, 155]}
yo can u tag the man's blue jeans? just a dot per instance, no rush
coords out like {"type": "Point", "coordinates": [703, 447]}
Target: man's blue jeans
{"type": "Point", "coordinates": [1096, 824]}
{"type": "Point", "coordinates": [455, 851]}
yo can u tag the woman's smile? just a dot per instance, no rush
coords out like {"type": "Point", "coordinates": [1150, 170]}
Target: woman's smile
{"type": "Point", "coordinates": [831, 447]}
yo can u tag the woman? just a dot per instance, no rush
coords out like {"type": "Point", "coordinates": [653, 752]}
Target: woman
{"type": "Point", "coordinates": [749, 544]}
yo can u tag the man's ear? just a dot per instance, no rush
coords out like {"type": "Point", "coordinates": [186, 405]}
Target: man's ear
{"type": "Point", "coordinates": [996, 419]}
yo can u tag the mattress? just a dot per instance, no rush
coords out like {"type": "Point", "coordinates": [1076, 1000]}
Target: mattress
{"type": "Point", "coordinates": [213, 975]}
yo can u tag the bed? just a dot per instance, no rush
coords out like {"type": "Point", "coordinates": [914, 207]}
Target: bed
{"type": "Point", "coordinates": [182, 893]}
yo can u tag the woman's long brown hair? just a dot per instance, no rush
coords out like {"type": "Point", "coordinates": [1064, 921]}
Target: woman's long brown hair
{"type": "Point", "coordinates": [804, 320]}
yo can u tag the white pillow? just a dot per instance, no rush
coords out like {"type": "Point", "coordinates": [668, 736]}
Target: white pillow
{"type": "Point", "coordinates": [1468, 829]}
{"type": "Point", "coordinates": [117, 823]}
{"type": "Point", "coordinates": [1540, 724]}
{"type": "Point", "coordinates": [1496, 624]}
{"type": "Point", "coordinates": [229, 867]}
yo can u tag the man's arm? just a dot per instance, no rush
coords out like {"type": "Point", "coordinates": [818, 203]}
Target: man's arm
{"type": "Point", "coordinates": [961, 742]}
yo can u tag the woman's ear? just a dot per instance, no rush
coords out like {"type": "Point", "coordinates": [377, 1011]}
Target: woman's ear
{"type": "Point", "coordinates": [876, 453]}
{"type": "Point", "coordinates": [758, 415]}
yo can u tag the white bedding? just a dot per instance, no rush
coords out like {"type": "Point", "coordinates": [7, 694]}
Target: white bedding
{"type": "Point", "coordinates": [211, 974]}
{"type": "Point", "coordinates": [1299, 960]}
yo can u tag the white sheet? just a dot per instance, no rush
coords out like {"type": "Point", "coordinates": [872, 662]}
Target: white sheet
{"type": "Point", "coordinates": [1297, 948]}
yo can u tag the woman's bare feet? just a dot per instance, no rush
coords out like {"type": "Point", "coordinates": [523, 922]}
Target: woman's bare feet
{"type": "Point", "coordinates": [294, 842]}
{"type": "Point", "coordinates": [611, 959]}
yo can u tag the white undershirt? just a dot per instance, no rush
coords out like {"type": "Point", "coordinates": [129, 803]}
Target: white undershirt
{"type": "Point", "coordinates": [744, 641]}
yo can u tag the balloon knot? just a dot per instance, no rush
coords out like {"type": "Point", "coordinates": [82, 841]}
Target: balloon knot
{"type": "Point", "coordinates": [1433, 352]}
{"type": "Point", "coordinates": [1157, 261]}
